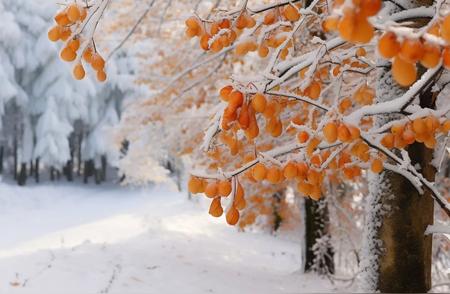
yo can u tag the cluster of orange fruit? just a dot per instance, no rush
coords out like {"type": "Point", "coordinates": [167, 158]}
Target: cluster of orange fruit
{"type": "Point", "coordinates": [217, 189]}
{"type": "Point", "coordinates": [255, 205]}
{"type": "Point", "coordinates": [242, 111]}
{"type": "Point", "coordinates": [422, 130]}
{"type": "Point", "coordinates": [220, 34]}
{"type": "Point", "coordinates": [276, 37]}
{"type": "Point", "coordinates": [309, 179]}
{"type": "Point", "coordinates": [332, 132]}
{"type": "Point", "coordinates": [242, 114]}
{"type": "Point", "coordinates": [74, 15]}
{"type": "Point", "coordinates": [195, 27]}
{"type": "Point", "coordinates": [310, 174]}
{"type": "Point", "coordinates": [354, 25]}
{"type": "Point", "coordinates": [407, 53]}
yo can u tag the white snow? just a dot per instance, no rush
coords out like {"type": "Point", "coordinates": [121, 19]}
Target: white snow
{"type": "Point", "coordinates": [438, 229]}
{"type": "Point", "coordinates": [104, 239]}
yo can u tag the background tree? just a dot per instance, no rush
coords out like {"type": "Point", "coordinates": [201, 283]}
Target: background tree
{"type": "Point", "coordinates": [46, 115]}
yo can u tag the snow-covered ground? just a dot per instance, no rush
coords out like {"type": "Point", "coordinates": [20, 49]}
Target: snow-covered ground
{"type": "Point", "coordinates": [104, 239]}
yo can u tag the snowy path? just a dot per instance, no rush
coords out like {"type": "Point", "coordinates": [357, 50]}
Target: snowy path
{"type": "Point", "coordinates": [75, 239]}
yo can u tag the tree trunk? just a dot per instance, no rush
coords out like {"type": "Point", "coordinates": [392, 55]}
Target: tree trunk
{"type": "Point", "coordinates": [318, 250]}
{"type": "Point", "coordinates": [68, 170]}
{"type": "Point", "coordinates": [52, 173]}
{"type": "Point", "coordinates": [86, 173]}
{"type": "Point", "coordinates": [89, 170]}
{"type": "Point", "coordinates": [175, 172]}
{"type": "Point", "coordinates": [2, 150]}
{"type": "Point", "coordinates": [15, 143]}
{"type": "Point", "coordinates": [31, 173]}
{"type": "Point", "coordinates": [79, 154]}
{"type": "Point", "coordinates": [401, 262]}
{"type": "Point", "coordinates": [277, 219]}
{"type": "Point", "coordinates": [98, 176]}
{"type": "Point", "coordinates": [104, 166]}
{"type": "Point", "coordinates": [22, 177]}
{"type": "Point", "coordinates": [396, 252]}
{"type": "Point", "coordinates": [406, 266]}
{"type": "Point", "coordinates": [36, 171]}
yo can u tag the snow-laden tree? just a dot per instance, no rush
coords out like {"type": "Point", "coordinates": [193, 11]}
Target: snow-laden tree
{"type": "Point", "coordinates": [35, 75]}
{"type": "Point", "coordinates": [10, 33]}
{"type": "Point", "coordinates": [52, 132]}
{"type": "Point", "coordinates": [39, 90]}
{"type": "Point", "coordinates": [142, 162]}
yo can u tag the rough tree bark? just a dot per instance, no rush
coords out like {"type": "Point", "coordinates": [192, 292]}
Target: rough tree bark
{"type": "Point", "coordinates": [406, 267]}
{"type": "Point", "coordinates": [396, 254]}
{"type": "Point", "coordinates": [401, 262]}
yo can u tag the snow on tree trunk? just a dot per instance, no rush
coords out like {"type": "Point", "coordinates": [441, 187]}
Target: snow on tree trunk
{"type": "Point", "coordinates": [318, 250]}
{"type": "Point", "coordinates": [371, 247]}
{"type": "Point", "coordinates": [396, 254]}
